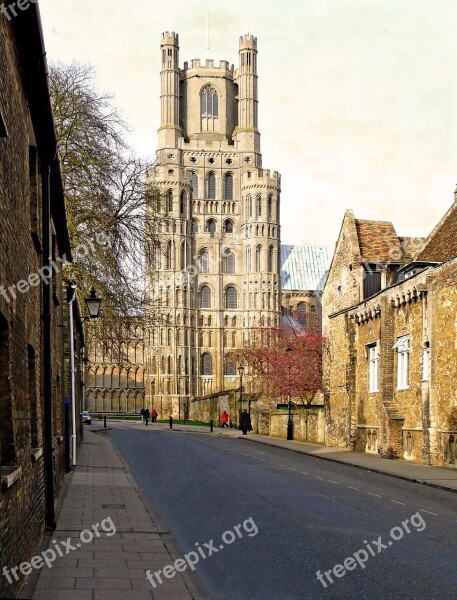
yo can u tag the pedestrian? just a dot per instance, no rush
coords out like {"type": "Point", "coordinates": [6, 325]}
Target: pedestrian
{"type": "Point", "coordinates": [245, 422]}
{"type": "Point", "coordinates": [142, 411]}
{"type": "Point", "coordinates": [154, 415]}
{"type": "Point", "coordinates": [224, 419]}
{"type": "Point", "coordinates": [147, 414]}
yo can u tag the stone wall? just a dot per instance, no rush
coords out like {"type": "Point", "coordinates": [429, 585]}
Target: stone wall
{"type": "Point", "coordinates": [308, 425]}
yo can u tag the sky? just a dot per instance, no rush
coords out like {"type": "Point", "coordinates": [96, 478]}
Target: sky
{"type": "Point", "coordinates": [358, 106]}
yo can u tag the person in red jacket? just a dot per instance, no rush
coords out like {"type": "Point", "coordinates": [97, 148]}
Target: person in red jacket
{"type": "Point", "coordinates": [224, 419]}
{"type": "Point", "coordinates": [153, 416]}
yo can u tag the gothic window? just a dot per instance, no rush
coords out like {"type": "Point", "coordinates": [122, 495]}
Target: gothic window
{"type": "Point", "coordinates": [211, 184]}
{"type": "Point", "coordinates": [228, 187]}
{"type": "Point", "coordinates": [207, 364]}
{"type": "Point", "coordinates": [205, 297]}
{"type": "Point", "coordinates": [270, 207]}
{"type": "Point", "coordinates": [230, 367]}
{"type": "Point", "coordinates": [169, 365]}
{"type": "Point", "coordinates": [182, 204]}
{"type": "Point", "coordinates": [183, 255]}
{"type": "Point", "coordinates": [258, 203]}
{"type": "Point", "coordinates": [248, 207]}
{"type": "Point", "coordinates": [233, 339]}
{"type": "Point", "coordinates": [194, 185]}
{"type": "Point", "coordinates": [229, 226]}
{"type": "Point", "coordinates": [270, 259]}
{"type": "Point", "coordinates": [211, 227]}
{"type": "Point", "coordinates": [301, 313]}
{"type": "Point", "coordinates": [231, 298]}
{"type": "Point", "coordinates": [170, 202]}
{"type": "Point", "coordinates": [229, 262]}
{"type": "Point", "coordinates": [204, 261]}
{"type": "Point", "coordinates": [209, 102]}
{"type": "Point", "coordinates": [257, 258]}
{"type": "Point", "coordinates": [248, 259]}
{"type": "Point", "coordinates": [169, 256]}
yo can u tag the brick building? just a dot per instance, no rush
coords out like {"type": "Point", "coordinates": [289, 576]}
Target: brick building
{"type": "Point", "coordinates": [34, 340]}
{"type": "Point", "coordinates": [389, 317]}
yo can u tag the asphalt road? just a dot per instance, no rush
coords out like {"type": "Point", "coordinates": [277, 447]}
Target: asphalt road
{"type": "Point", "coordinates": [310, 515]}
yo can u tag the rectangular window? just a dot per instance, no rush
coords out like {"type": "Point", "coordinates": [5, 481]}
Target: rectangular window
{"type": "Point", "coordinates": [426, 363]}
{"type": "Point", "coordinates": [403, 347]}
{"type": "Point", "coordinates": [371, 281]}
{"type": "Point", "coordinates": [373, 357]}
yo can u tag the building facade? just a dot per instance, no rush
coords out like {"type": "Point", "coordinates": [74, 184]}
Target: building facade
{"type": "Point", "coordinates": [389, 319]}
{"type": "Point", "coordinates": [216, 272]}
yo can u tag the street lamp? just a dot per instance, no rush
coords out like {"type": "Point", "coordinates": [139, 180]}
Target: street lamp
{"type": "Point", "coordinates": [290, 426]}
{"type": "Point", "coordinates": [93, 303]}
{"type": "Point", "coordinates": [240, 371]}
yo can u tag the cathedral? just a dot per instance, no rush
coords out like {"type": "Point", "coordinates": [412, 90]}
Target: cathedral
{"type": "Point", "coordinates": [213, 279]}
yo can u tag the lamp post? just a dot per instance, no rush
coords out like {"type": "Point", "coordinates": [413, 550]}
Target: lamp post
{"type": "Point", "coordinates": [290, 426]}
{"type": "Point", "coordinates": [240, 371]}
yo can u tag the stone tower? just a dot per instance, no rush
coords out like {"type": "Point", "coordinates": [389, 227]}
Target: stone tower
{"type": "Point", "coordinates": [215, 278]}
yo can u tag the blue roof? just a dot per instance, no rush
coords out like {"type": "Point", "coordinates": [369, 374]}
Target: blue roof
{"type": "Point", "coordinates": [304, 267]}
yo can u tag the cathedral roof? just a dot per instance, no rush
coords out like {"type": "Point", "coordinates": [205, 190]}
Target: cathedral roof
{"type": "Point", "coordinates": [304, 267]}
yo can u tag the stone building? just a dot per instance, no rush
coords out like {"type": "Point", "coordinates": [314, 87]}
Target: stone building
{"type": "Point", "coordinates": [33, 302]}
{"type": "Point", "coordinates": [114, 377]}
{"type": "Point", "coordinates": [389, 314]}
{"type": "Point", "coordinates": [216, 273]}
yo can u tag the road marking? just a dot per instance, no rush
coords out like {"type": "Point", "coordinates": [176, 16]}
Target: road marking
{"type": "Point", "coordinates": [429, 512]}
{"type": "Point", "coordinates": [377, 495]}
{"type": "Point", "coordinates": [291, 469]}
{"type": "Point", "coordinates": [390, 543]}
{"type": "Point", "coordinates": [397, 502]}
{"type": "Point", "coordinates": [282, 465]}
{"type": "Point", "coordinates": [317, 477]}
{"type": "Point", "coordinates": [331, 481]}
{"type": "Point", "coordinates": [353, 488]}
{"type": "Point", "coordinates": [305, 473]}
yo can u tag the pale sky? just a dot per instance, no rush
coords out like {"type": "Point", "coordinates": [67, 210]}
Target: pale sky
{"type": "Point", "coordinates": [357, 97]}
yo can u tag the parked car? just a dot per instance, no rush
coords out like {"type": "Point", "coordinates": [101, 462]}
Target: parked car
{"type": "Point", "coordinates": [86, 417]}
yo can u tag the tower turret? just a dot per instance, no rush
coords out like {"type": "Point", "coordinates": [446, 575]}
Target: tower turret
{"type": "Point", "coordinates": [247, 132]}
{"type": "Point", "coordinates": [169, 131]}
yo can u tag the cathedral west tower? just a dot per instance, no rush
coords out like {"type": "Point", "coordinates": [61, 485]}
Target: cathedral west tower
{"type": "Point", "coordinates": [216, 277]}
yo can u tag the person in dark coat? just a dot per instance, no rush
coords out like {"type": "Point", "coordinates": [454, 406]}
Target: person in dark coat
{"type": "Point", "coordinates": [142, 411]}
{"type": "Point", "coordinates": [245, 422]}
{"type": "Point", "coordinates": [147, 415]}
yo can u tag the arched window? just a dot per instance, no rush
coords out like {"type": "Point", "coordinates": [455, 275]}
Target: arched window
{"type": "Point", "coordinates": [169, 257]}
{"type": "Point", "coordinates": [205, 297]}
{"type": "Point", "coordinates": [228, 187]}
{"type": "Point", "coordinates": [207, 364]}
{"type": "Point", "coordinates": [209, 102]}
{"type": "Point", "coordinates": [231, 298]}
{"type": "Point", "coordinates": [270, 259]}
{"type": "Point", "coordinates": [194, 185]}
{"type": "Point", "coordinates": [183, 255]}
{"type": "Point", "coordinates": [248, 207]}
{"type": "Point", "coordinates": [301, 313]}
{"type": "Point", "coordinates": [182, 204]}
{"type": "Point", "coordinates": [229, 262]}
{"type": "Point", "coordinates": [270, 207]}
{"type": "Point", "coordinates": [204, 261]}
{"type": "Point", "coordinates": [170, 201]}
{"type": "Point", "coordinates": [229, 226]}
{"type": "Point", "coordinates": [211, 226]}
{"type": "Point", "coordinates": [211, 185]}
{"type": "Point", "coordinates": [230, 367]}
{"type": "Point", "coordinates": [248, 259]}
{"type": "Point", "coordinates": [258, 204]}
{"type": "Point", "coordinates": [257, 258]}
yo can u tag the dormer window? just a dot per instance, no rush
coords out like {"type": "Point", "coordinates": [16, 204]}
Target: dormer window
{"type": "Point", "coordinates": [209, 102]}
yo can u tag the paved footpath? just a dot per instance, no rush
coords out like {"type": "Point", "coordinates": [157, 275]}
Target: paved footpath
{"type": "Point", "coordinates": [112, 566]}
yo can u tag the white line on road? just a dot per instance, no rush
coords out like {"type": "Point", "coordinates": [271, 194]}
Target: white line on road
{"type": "Point", "coordinates": [377, 495]}
{"type": "Point", "coordinates": [317, 477]}
{"type": "Point", "coordinates": [291, 469]}
{"type": "Point", "coordinates": [305, 473]}
{"type": "Point", "coordinates": [331, 481]}
{"type": "Point", "coordinates": [429, 512]}
{"type": "Point", "coordinates": [397, 502]}
{"type": "Point", "coordinates": [353, 488]}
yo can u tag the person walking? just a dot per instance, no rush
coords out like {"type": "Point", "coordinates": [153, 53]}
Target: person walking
{"type": "Point", "coordinates": [224, 419]}
{"type": "Point", "coordinates": [245, 422]}
{"type": "Point", "coordinates": [153, 415]}
{"type": "Point", "coordinates": [147, 415]}
{"type": "Point", "coordinates": [142, 411]}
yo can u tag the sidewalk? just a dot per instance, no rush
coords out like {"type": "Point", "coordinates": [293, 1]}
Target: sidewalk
{"type": "Point", "coordinates": [112, 566]}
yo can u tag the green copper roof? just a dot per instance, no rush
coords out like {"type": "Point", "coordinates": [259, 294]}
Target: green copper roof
{"type": "Point", "coordinates": [304, 267]}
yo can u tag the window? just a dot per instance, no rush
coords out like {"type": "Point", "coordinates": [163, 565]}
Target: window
{"type": "Point", "coordinates": [373, 357]}
{"type": "Point", "coordinates": [207, 364]}
{"type": "Point", "coordinates": [230, 367]}
{"type": "Point", "coordinates": [228, 187]}
{"type": "Point", "coordinates": [248, 207]}
{"type": "Point", "coordinates": [426, 362]}
{"type": "Point", "coordinates": [211, 227]}
{"type": "Point", "coordinates": [248, 259]}
{"type": "Point", "coordinates": [403, 347]}
{"type": "Point", "coordinates": [231, 298]}
{"type": "Point", "coordinates": [258, 204]}
{"type": "Point", "coordinates": [205, 297]}
{"type": "Point", "coordinates": [194, 226]}
{"type": "Point", "coordinates": [270, 259]}
{"type": "Point", "coordinates": [170, 202]}
{"type": "Point", "coordinates": [270, 206]}
{"type": "Point", "coordinates": [183, 258]}
{"type": "Point", "coordinates": [229, 262]}
{"type": "Point", "coordinates": [371, 280]}
{"type": "Point", "coordinates": [169, 257]}
{"type": "Point", "coordinates": [211, 184]}
{"type": "Point", "coordinates": [182, 204]}
{"type": "Point", "coordinates": [209, 102]}
{"type": "Point", "coordinates": [257, 259]}
{"type": "Point", "coordinates": [194, 185]}
{"type": "Point", "coordinates": [229, 226]}
{"type": "Point", "coordinates": [204, 261]}
{"type": "Point", "coordinates": [301, 313]}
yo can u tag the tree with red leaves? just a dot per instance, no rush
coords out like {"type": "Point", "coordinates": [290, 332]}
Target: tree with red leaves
{"type": "Point", "coordinates": [287, 361]}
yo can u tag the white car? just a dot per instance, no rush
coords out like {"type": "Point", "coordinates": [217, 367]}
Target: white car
{"type": "Point", "coordinates": [86, 417]}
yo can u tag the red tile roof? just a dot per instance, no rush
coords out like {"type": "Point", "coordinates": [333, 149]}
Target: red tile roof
{"type": "Point", "coordinates": [379, 242]}
{"type": "Point", "coordinates": [441, 244]}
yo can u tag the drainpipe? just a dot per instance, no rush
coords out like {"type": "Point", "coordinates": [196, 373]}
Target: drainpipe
{"type": "Point", "coordinates": [72, 289]}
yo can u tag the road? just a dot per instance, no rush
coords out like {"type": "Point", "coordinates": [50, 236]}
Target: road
{"type": "Point", "coordinates": [310, 514]}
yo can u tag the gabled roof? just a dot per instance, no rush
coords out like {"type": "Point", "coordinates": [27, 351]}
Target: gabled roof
{"type": "Point", "coordinates": [304, 267]}
{"type": "Point", "coordinates": [441, 244]}
{"type": "Point", "coordinates": [378, 241]}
